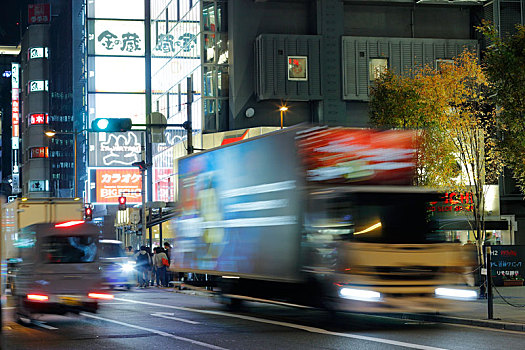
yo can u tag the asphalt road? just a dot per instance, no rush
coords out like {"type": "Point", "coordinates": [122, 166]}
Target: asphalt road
{"type": "Point", "coordinates": [163, 319]}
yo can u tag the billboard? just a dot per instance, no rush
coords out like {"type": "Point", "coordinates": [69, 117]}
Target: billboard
{"type": "Point", "coordinates": [113, 183]}
{"type": "Point", "coordinates": [240, 209]}
{"type": "Point", "coordinates": [359, 156]}
{"type": "Point", "coordinates": [115, 149]}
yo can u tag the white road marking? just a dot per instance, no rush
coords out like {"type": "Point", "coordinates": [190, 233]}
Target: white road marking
{"type": "Point", "coordinates": [170, 316]}
{"type": "Point", "coordinates": [8, 308]}
{"type": "Point", "coordinates": [289, 325]}
{"type": "Point", "coordinates": [44, 325]}
{"type": "Point", "coordinates": [161, 333]}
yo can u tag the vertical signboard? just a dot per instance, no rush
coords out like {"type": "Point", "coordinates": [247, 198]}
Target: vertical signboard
{"type": "Point", "coordinates": [15, 122]}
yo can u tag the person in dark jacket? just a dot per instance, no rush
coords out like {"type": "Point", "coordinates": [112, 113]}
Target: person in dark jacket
{"type": "Point", "coordinates": [143, 267]}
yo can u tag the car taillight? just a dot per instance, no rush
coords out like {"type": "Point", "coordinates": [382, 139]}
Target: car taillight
{"type": "Point", "coordinates": [37, 297]}
{"type": "Point", "coordinates": [103, 296]}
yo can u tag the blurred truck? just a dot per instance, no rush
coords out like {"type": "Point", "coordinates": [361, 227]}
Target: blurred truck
{"type": "Point", "coordinates": [317, 216]}
{"type": "Point", "coordinates": [20, 213]}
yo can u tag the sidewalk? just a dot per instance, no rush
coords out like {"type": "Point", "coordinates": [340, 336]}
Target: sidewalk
{"type": "Point", "coordinates": [476, 314]}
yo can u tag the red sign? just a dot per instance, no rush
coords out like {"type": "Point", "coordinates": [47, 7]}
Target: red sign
{"type": "Point", "coordinates": [39, 152]}
{"type": "Point", "coordinates": [15, 112]}
{"type": "Point", "coordinates": [359, 156]}
{"type": "Point", "coordinates": [39, 118]}
{"type": "Point", "coordinates": [39, 13]}
{"type": "Point", "coordinates": [113, 183]}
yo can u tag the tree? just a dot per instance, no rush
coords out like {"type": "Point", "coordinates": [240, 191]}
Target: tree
{"type": "Point", "coordinates": [451, 105]}
{"type": "Point", "coordinates": [505, 66]}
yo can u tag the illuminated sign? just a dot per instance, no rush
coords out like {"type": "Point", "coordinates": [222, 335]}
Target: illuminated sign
{"type": "Point", "coordinates": [122, 38]}
{"type": "Point", "coordinates": [125, 9]}
{"type": "Point", "coordinates": [39, 119]}
{"type": "Point", "coordinates": [116, 74]}
{"type": "Point", "coordinates": [298, 68]}
{"type": "Point", "coordinates": [113, 183]}
{"type": "Point", "coordinates": [114, 149]}
{"type": "Point", "coordinates": [38, 185]}
{"type": "Point", "coordinates": [38, 152]}
{"type": "Point", "coordinates": [15, 107]}
{"type": "Point", "coordinates": [39, 13]}
{"type": "Point", "coordinates": [38, 85]}
{"type": "Point", "coordinates": [38, 52]}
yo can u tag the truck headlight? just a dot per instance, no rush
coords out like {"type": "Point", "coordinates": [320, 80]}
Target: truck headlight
{"type": "Point", "coordinates": [453, 293]}
{"type": "Point", "coordinates": [359, 294]}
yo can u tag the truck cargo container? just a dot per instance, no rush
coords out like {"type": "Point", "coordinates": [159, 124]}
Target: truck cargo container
{"type": "Point", "coordinates": [318, 216]}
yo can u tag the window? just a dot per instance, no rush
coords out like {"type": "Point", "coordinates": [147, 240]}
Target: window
{"type": "Point", "coordinates": [72, 249]}
{"type": "Point", "coordinates": [440, 63]}
{"type": "Point", "coordinates": [298, 68]}
{"type": "Point", "coordinates": [376, 67]}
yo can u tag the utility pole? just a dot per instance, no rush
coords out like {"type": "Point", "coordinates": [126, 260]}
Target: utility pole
{"type": "Point", "coordinates": [189, 128]}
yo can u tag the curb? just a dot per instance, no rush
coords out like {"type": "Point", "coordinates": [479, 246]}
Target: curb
{"type": "Point", "coordinates": [465, 321]}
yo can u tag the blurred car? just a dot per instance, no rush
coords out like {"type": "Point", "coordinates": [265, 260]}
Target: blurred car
{"type": "Point", "coordinates": [117, 268]}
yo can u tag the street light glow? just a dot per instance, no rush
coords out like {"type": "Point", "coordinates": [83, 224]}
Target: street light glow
{"type": "Point", "coordinates": [283, 109]}
{"type": "Point", "coordinates": [50, 133]}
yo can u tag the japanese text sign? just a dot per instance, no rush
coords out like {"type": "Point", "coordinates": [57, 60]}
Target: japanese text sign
{"type": "Point", "coordinates": [112, 183]}
{"type": "Point", "coordinates": [38, 13]}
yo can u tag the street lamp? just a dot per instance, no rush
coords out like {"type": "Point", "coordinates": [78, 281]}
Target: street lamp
{"type": "Point", "coordinates": [282, 109]}
{"type": "Point", "coordinates": [52, 133]}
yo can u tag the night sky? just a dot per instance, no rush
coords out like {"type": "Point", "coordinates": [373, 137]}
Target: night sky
{"type": "Point", "coordinates": [10, 12]}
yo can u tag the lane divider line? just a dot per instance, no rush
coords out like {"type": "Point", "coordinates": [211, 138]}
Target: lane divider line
{"type": "Point", "coordinates": [161, 333]}
{"type": "Point", "coordinates": [43, 325]}
{"type": "Point", "coordinates": [289, 325]}
{"type": "Point", "coordinates": [170, 316]}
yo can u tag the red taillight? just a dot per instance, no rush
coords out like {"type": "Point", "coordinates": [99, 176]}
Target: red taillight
{"type": "Point", "coordinates": [70, 223]}
{"type": "Point", "coordinates": [102, 296]}
{"type": "Point", "coordinates": [37, 297]}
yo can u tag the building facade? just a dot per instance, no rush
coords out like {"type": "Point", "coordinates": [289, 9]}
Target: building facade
{"type": "Point", "coordinates": [230, 64]}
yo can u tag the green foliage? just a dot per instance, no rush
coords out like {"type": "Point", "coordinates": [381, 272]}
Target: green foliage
{"type": "Point", "coordinates": [505, 66]}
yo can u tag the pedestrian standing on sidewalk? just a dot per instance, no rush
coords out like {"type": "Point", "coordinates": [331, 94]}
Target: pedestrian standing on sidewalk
{"type": "Point", "coordinates": [167, 250]}
{"type": "Point", "coordinates": [160, 261]}
{"type": "Point", "coordinates": [143, 266]}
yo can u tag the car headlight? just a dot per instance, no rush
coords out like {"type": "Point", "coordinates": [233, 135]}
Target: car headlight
{"type": "Point", "coordinates": [128, 267]}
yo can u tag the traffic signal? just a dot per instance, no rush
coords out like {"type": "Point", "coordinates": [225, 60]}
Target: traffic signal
{"type": "Point", "coordinates": [111, 124]}
{"type": "Point", "coordinates": [121, 203]}
{"type": "Point", "coordinates": [88, 214]}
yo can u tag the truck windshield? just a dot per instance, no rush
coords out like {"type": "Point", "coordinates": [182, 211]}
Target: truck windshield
{"type": "Point", "coordinates": [69, 249]}
{"type": "Point", "coordinates": [111, 250]}
{"type": "Point", "coordinates": [374, 217]}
